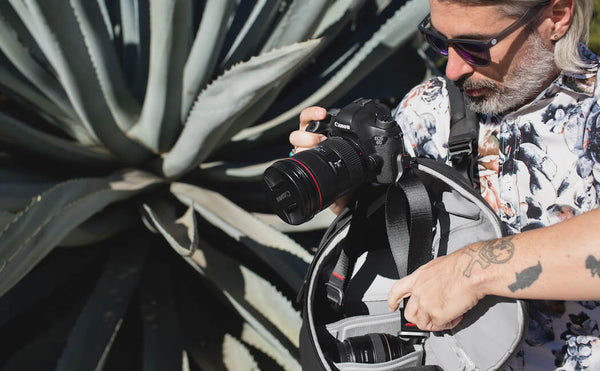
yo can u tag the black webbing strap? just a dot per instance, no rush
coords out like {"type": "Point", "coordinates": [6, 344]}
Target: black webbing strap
{"type": "Point", "coordinates": [336, 285]}
{"type": "Point", "coordinates": [409, 222]}
{"type": "Point", "coordinates": [464, 129]}
{"type": "Point", "coordinates": [352, 246]}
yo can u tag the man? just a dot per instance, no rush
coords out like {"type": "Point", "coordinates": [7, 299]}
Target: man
{"type": "Point", "coordinates": [535, 89]}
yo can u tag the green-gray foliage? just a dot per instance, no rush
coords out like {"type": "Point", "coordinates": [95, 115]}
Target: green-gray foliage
{"type": "Point", "coordinates": [594, 41]}
{"type": "Point", "coordinates": [133, 137]}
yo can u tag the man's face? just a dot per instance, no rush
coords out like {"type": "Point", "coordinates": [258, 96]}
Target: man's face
{"type": "Point", "coordinates": [521, 67]}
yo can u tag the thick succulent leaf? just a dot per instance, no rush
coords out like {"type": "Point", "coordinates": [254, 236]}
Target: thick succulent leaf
{"type": "Point", "coordinates": [112, 220]}
{"type": "Point", "coordinates": [232, 171]}
{"type": "Point", "coordinates": [209, 325]}
{"type": "Point", "coordinates": [67, 53]}
{"type": "Point", "coordinates": [38, 76]}
{"type": "Point", "coordinates": [14, 12]}
{"type": "Point", "coordinates": [46, 346]}
{"type": "Point", "coordinates": [204, 325]}
{"type": "Point", "coordinates": [392, 35]}
{"type": "Point", "coordinates": [19, 16]}
{"type": "Point", "coordinates": [53, 214]}
{"type": "Point", "coordinates": [297, 24]}
{"type": "Point", "coordinates": [227, 98]}
{"type": "Point", "coordinates": [205, 51]}
{"type": "Point", "coordinates": [253, 337]}
{"type": "Point", "coordinates": [5, 218]}
{"type": "Point", "coordinates": [249, 37]}
{"type": "Point", "coordinates": [246, 292]}
{"type": "Point", "coordinates": [181, 233]}
{"type": "Point", "coordinates": [52, 147]}
{"type": "Point", "coordinates": [160, 121]}
{"type": "Point", "coordinates": [36, 287]}
{"type": "Point", "coordinates": [13, 83]}
{"type": "Point", "coordinates": [253, 112]}
{"type": "Point", "coordinates": [162, 346]}
{"type": "Point", "coordinates": [236, 355]}
{"type": "Point", "coordinates": [15, 196]}
{"type": "Point", "coordinates": [18, 187]}
{"type": "Point", "coordinates": [103, 313]}
{"type": "Point", "coordinates": [336, 17]}
{"type": "Point", "coordinates": [92, 23]}
{"type": "Point", "coordinates": [277, 250]}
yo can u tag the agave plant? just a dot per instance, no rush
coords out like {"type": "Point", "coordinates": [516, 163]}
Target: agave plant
{"type": "Point", "coordinates": [134, 134]}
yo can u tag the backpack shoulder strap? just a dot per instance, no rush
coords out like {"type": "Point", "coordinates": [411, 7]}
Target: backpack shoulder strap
{"type": "Point", "coordinates": [464, 129]}
{"type": "Point", "coordinates": [409, 223]}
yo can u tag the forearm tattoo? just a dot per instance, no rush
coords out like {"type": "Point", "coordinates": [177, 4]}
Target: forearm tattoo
{"type": "Point", "coordinates": [490, 252]}
{"type": "Point", "coordinates": [526, 277]}
{"type": "Point", "coordinates": [593, 265]}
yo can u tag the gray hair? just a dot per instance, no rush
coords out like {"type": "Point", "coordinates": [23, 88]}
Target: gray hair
{"type": "Point", "coordinates": [566, 49]}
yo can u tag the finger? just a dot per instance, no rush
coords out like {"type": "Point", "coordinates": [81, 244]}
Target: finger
{"type": "Point", "coordinates": [452, 324]}
{"type": "Point", "coordinates": [311, 114]}
{"type": "Point", "coordinates": [399, 291]}
{"type": "Point", "coordinates": [418, 317]}
{"type": "Point", "coordinates": [303, 139]}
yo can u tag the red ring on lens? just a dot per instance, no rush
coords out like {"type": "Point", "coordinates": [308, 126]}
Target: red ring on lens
{"type": "Point", "coordinates": [314, 180]}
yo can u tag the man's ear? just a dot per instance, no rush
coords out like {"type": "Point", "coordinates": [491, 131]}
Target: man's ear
{"type": "Point", "coordinates": [560, 15]}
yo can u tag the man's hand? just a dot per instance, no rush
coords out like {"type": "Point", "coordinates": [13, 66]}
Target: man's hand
{"type": "Point", "coordinates": [439, 293]}
{"type": "Point", "coordinates": [301, 139]}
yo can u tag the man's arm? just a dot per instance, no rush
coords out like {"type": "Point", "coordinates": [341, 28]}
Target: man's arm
{"type": "Point", "coordinates": [559, 262]}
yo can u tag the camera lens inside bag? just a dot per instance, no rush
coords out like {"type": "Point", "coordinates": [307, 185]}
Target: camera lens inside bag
{"type": "Point", "coordinates": [372, 348]}
{"type": "Point", "coordinates": [300, 186]}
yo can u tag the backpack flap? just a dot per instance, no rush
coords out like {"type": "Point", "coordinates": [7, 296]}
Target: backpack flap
{"type": "Point", "coordinates": [492, 332]}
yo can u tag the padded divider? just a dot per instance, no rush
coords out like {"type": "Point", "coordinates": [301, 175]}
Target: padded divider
{"type": "Point", "coordinates": [361, 325]}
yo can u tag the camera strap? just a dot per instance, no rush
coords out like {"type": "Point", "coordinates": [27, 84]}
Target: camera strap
{"type": "Point", "coordinates": [464, 129]}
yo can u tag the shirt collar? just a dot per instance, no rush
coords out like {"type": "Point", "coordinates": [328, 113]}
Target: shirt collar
{"type": "Point", "coordinates": [582, 83]}
{"type": "Point", "coordinates": [579, 83]}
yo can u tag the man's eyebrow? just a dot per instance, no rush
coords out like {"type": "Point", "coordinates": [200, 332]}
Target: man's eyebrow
{"type": "Point", "coordinates": [469, 36]}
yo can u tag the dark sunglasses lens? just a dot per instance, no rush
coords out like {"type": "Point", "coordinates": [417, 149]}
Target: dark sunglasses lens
{"type": "Point", "coordinates": [476, 54]}
{"type": "Point", "coordinates": [436, 42]}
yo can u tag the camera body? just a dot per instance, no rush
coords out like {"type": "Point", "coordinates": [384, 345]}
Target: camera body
{"type": "Point", "coordinates": [372, 130]}
{"type": "Point", "coordinates": [363, 146]}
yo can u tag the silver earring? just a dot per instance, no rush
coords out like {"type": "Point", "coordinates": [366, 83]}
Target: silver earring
{"type": "Point", "coordinates": [555, 37]}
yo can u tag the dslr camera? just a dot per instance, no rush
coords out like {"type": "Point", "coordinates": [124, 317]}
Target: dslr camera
{"type": "Point", "coordinates": [363, 144]}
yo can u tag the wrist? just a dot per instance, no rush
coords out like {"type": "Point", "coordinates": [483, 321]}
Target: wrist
{"type": "Point", "coordinates": [479, 265]}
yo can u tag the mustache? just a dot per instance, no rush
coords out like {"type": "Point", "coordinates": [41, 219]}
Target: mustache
{"type": "Point", "coordinates": [470, 84]}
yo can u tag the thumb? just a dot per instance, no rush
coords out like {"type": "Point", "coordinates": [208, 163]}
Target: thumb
{"type": "Point", "coordinates": [401, 290]}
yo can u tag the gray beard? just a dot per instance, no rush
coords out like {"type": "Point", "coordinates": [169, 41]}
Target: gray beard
{"type": "Point", "coordinates": [522, 83]}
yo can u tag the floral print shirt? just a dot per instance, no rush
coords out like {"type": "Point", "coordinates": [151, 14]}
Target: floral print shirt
{"type": "Point", "coordinates": [536, 166]}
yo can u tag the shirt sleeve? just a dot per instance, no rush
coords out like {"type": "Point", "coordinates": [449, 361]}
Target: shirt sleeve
{"type": "Point", "coordinates": [424, 117]}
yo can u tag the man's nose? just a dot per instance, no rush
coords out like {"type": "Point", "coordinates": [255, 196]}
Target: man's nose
{"type": "Point", "coordinates": [456, 67]}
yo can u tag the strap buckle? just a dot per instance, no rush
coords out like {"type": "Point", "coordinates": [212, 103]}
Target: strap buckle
{"type": "Point", "coordinates": [335, 295]}
{"type": "Point", "coordinates": [460, 148]}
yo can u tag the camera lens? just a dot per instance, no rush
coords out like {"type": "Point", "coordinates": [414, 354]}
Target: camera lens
{"type": "Point", "coordinates": [372, 348]}
{"type": "Point", "coordinates": [300, 186]}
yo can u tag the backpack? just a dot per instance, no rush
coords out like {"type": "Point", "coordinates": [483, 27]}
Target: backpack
{"type": "Point", "coordinates": [389, 231]}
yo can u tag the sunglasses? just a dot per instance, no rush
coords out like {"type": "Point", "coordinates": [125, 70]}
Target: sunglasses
{"type": "Point", "coordinates": [474, 52]}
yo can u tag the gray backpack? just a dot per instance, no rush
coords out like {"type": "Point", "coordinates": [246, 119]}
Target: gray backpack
{"type": "Point", "coordinates": [432, 210]}
{"type": "Point", "coordinates": [385, 235]}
